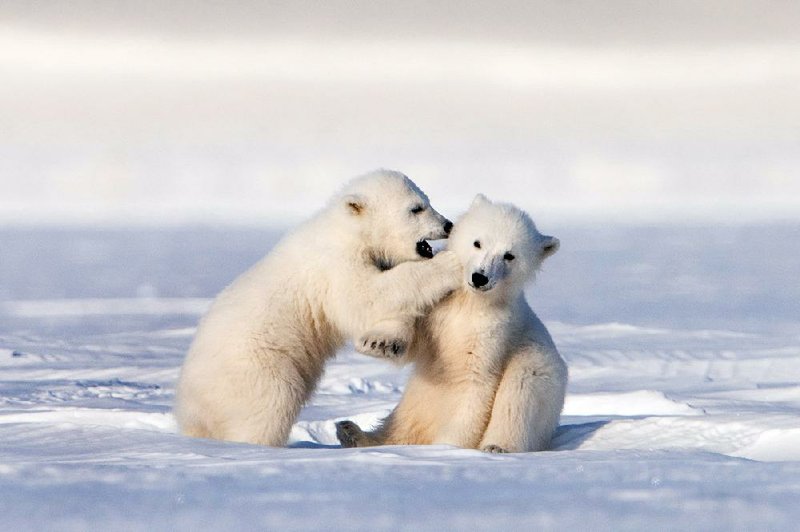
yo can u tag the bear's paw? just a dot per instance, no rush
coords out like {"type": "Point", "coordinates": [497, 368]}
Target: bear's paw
{"type": "Point", "coordinates": [348, 433]}
{"type": "Point", "coordinates": [495, 449]}
{"type": "Point", "coordinates": [381, 347]}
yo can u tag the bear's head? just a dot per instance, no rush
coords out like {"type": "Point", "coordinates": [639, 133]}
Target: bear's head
{"type": "Point", "coordinates": [393, 217]}
{"type": "Point", "coordinates": [500, 247]}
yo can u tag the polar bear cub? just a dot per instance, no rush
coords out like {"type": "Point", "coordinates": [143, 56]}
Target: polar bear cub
{"type": "Point", "coordinates": [487, 374]}
{"type": "Point", "coordinates": [260, 350]}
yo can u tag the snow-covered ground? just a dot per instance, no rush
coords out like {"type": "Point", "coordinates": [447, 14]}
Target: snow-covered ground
{"type": "Point", "coordinates": [683, 409]}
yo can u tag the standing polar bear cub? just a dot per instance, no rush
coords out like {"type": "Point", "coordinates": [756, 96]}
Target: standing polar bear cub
{"type": "Point", "coordinates": [487, 374]}
{"type": "Point", "coordinates": [347, 273]}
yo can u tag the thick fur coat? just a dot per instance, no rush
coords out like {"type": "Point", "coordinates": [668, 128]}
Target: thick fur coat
{"type": "Point", "coordinates": [261, 348]}
{"type": "Point", "coordinates": [487, 374]}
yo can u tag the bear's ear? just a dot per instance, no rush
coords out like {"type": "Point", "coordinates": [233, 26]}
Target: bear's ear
{"type": "Point", "coordinates": [550, 245]}
{"type": "Point", "coordinates": [354, 204]}
{"type": "Point", "coordinates": [480, 199]}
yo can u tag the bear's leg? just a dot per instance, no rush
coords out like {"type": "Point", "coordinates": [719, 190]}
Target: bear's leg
{"type": "Point", "coordinates": [526, 407]}
{"type": "Point", "coordinates": [467, 414]}
{"type": "Point", "coordinates": [263, 403]}
{"type": "Point", "coordinates": [398, 296]}
{"type": "Point", "coordinates": [192, 420]}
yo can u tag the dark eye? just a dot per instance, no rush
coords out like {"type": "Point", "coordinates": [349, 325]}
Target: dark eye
{"type": "Point", "coordinates": [418, 209]}
{"type": "Point", "coordinates": [508, 256]}
{"type": "Point", "coordinates": [477, 244]}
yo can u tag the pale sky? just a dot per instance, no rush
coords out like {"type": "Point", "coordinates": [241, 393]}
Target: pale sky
{"type": "Point", "coordinates": [115, 112]}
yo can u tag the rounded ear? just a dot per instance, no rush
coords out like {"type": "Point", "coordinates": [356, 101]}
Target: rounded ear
{"type": "Point", "coordinates": [354, 204]}
{"type": "Point", "coordinates": [550, 245]}
{"type": "Point", "coordinates": [480, 199]}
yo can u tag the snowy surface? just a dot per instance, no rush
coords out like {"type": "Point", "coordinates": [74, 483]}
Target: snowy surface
{"type": "Point", "coordinates": [683, 409]}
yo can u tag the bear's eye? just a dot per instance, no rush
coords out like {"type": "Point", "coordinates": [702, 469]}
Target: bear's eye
{"type": "Point", "coordinates": [477, 244]}
{"type": "Point", "coordinates": [508, 256]}
{"type": "Point", "coordinates": [417, 209]}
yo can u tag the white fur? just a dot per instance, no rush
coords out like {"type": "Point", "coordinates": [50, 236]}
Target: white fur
{"type": "Point", "coordinates": [261, 348]}
{"type": "Point", "coordinates": [487, 374]}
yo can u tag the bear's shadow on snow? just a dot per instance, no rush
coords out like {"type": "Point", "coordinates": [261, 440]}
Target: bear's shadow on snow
{"type": "Point", "coordinates": [311, 445]}
{"type": "Point", "coordinates": [567, 437]}
{"type": "Point", "coordinates": [571, 437]}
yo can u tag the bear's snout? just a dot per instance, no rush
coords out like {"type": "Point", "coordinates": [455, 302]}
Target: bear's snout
{"type": "Point", "coordinates": [448, 226]}
{"type": "Point", "coordinates": [479, 280]}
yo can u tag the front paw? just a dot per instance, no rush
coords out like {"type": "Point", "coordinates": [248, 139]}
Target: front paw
{"type": "Point", "coordinates": [348, 433]}
{"type": "Point", "coordinates": [381, 347]}
{"type": "Point", "coordinates": [495, 449]}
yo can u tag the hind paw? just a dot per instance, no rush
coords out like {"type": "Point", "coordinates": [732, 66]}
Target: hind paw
{"type": "Point", "coordinates": [348, 433]}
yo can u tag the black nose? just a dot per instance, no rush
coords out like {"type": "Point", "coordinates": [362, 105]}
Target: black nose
{"type": "Point", "coordinates": [448, 225]}
{"type": "Point", "coordinates": [478, 280]}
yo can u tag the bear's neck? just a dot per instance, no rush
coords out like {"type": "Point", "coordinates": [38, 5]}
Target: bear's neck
{"type": "Point", "coordinates": [379, 259]}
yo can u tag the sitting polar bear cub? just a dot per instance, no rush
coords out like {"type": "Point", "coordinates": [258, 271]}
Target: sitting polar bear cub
{"type": "Point", "coordinates": [346, 273]}
{"type": "Point", "coordinates": [487, 374]}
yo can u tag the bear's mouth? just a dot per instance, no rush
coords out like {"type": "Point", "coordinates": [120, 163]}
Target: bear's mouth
{"type": "Point", "coordinates": [424, 249]}
{"type": "Point", "coordinates": [480, 288]}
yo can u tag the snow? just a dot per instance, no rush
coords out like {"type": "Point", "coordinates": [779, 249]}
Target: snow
{"type": "Point", "coordinates": [683, 410]}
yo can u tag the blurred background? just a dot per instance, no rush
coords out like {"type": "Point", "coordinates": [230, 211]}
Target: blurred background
{"type": "Point", "coordinates": [145, 111]}
{"type": "Point", "coordinates": [153, 149]}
